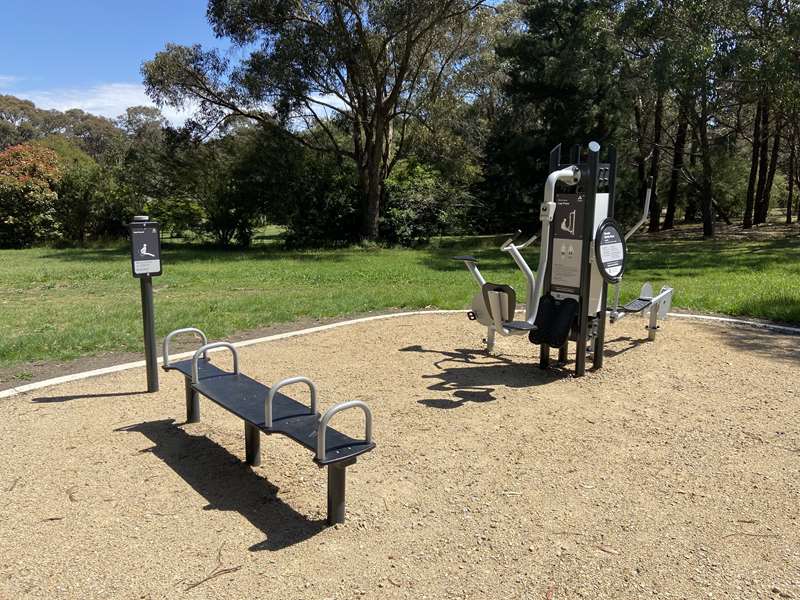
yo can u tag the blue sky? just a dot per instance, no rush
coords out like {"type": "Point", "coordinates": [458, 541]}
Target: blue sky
{"type": "Point", "coordinates": [87, 54]}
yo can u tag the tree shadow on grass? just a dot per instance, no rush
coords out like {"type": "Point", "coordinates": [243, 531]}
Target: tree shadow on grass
{"type": "Point", "coordinates": [183, 253]}
{"type": "Point", "coordinates": [478, 380]}
{"type": "Point", "coordinates": [228, 484]}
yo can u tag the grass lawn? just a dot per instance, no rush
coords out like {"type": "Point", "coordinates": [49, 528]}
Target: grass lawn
{"type": "Point", "coordinates": [61, 304]}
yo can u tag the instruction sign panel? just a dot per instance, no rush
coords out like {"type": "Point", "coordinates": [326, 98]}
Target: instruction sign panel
{"type": "Point", "coordinates": [145, 249]}
{"type": "Point", "coordinates": [610, 250]}
{"type": "Point", "coordinates": [567, 243]}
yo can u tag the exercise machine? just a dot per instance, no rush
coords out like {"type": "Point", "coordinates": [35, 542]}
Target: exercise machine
{"type": "Point", "coordinates": [494, 306]}
{"type": "Point", "coordinates": [582, 251]}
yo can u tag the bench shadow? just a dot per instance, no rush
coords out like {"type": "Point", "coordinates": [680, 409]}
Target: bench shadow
{"type": "Point", "coordinates": [52, 399]}
{"type": "Point", "coordinates": [473, 380]}
{"type": "Point", "coordinates": [228, 484]}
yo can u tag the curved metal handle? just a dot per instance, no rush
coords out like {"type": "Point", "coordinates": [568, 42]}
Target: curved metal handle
{"type": "Point", "coordinates": [204, 351]}
{"type": "Point", "coordinates": [165, 351]}
{"type": "Point", "coordinates": [504, 246]}
{"type": "Point", "coordinates": [323, 423]}
{"type": "Point", "coordinates": [289, 381]}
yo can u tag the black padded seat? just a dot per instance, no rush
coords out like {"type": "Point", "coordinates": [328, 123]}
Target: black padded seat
{"type": "Point", "coordinates": [244, 397]}
{"type": "Point", "coordinates": [467, 258]}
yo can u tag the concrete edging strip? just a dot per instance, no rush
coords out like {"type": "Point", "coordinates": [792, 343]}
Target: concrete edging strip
{"type": "Point", "coordinates": [290, 334]}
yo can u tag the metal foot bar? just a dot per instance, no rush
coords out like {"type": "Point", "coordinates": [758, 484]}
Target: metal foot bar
{"type": "Point", "coordinates": [165, 348]}
{"type": "Point", "coordinates": [252, 444]}
{"type": "Point", "coordinates": [284, 382]}
{"type": "Point", "coordinates": [192, 403]}
{"type": "Point", "coordinates": [203, 351]}
{"type": "Point", "coordinates": [323, 424]}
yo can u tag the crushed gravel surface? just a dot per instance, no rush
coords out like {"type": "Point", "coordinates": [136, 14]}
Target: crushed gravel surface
{"type": "Point", "coordinates": [671, 473]}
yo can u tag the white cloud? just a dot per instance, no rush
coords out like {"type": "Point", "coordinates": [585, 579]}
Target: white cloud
{"type": "Point", "coordinates": [6, 81]}
{"type": "Point", "coordinates": [107, 100]}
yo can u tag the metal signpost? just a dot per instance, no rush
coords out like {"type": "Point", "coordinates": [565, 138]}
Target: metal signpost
{"type": "Point", "coordinates": [146, 264]}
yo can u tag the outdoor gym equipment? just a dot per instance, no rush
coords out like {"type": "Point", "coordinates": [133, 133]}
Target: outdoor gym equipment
{"type": "Point", "coordinates": [582, 251]}
{"type": "Point", "coordinates": [265, 409]}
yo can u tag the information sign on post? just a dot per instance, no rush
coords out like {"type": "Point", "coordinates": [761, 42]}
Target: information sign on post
{"type": "Point", "coordinates": [146, 263]}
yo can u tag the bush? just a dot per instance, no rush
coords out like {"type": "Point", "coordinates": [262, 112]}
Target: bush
{"type": "Point", "coordinates": [420, 204]}
{"type": "Point", "coordinates": [324, 204]}
{"type": "Point", "coordinates": [28, 177]}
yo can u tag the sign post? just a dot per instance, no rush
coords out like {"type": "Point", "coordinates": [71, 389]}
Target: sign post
{"type": "Point", "coordinates": [146, 264]}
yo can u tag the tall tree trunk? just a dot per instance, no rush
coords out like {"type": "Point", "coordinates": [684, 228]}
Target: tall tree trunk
{"type": "Point", "coordinates": [641, 160]}
{"type": "Point", "coordinates": [791, 184]}
{"type": "Point", "coordinates": [706, 197]}
{"type": "Point", "coordinates": [773, 166]}
{"type": "Point", "coordinates": [690, 214]}
{"type": "Point", "coordinates": [763, 161]}
{"type": "Point", "coordinates": [747, 221]}
{"type": "Point", "coordinates": [655, 206]}
{"type": "Point", "coordinates": [372, 173]}
{"type": "Point", "coordinates": [677, 165]}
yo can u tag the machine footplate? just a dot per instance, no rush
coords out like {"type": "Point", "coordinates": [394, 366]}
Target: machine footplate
{"type": "Point", "coordinates": [519, 326]}
{"type": "Point", "coordinates": [637, 305]}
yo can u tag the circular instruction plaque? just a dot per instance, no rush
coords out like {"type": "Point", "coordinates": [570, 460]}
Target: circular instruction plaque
{"type": "Point", "coordinates": [610, 251]}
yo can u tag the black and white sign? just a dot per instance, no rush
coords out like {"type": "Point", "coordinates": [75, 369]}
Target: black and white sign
{"type": "Point", "coordinates": [610, 251]}
{"type": "Point", "coordinates": [567, 249]}
{"type": "Point", "coordinates": [145, 248]}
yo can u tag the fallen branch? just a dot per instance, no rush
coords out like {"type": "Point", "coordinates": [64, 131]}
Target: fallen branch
{"type": "Point", "coordinates": [607, 550]}
{"type": "Point", "coordinates": [217, 572]}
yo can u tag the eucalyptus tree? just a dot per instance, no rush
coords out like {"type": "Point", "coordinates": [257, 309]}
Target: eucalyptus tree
{"type": "Point", "coordinates": [364, 67]}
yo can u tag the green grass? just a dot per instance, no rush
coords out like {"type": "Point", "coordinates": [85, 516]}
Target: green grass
{"type": "Point", "coordinates": [61, 304]}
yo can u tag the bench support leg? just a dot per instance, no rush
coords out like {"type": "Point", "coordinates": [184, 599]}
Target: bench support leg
{"type": "Point", "coordinates": [192, 403]}
{"type": "Point", "coordinates": [252, 444]}
{"type": "Point", "coordinates": [336, 490]}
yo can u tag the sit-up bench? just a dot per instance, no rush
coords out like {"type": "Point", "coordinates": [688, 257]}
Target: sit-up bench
{"type": "Point", "coordinates": [266, 409]}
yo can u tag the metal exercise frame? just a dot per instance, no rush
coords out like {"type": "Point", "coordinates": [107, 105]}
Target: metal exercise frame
{"type": "Point", "coordinates": [594, 175]}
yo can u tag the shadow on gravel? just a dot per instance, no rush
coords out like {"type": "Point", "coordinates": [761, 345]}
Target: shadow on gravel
{"type": "Point", "coordinates": [632, 344]}
{"type": "Point", "coordinates": [775, 346]}
{"type": "Point", "coordinates": [228, 484]}
{"type": "Point", "coordinates": [51, 399]}
{"type": "Point", "coordinates": [477, 381]}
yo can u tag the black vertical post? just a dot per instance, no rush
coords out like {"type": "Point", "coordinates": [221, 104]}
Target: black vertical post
{"type": "Point", "coordinates": [589, 185]}
{"type": "Point", "coordinates": [252, 444]}
{"type": "Point", "coordinates": [192, 403]}
{"type": "Point", "coordinates": [148, 319]}
{"type": "Point", "coordinates": [562, 353]}
{"type": "Point", "coordinates": [336, 492]}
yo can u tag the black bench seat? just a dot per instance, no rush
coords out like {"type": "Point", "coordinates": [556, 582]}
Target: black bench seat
{"type": "Point", "coordinates": [244, 397]}
{"type": "Point", "coordinates": [266, 410]}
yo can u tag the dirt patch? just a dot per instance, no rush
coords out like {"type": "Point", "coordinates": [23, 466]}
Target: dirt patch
{"type": "Point", "coordinates": [671, 473]}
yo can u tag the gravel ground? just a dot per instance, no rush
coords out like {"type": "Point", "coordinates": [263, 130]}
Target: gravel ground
{"type": "Point", "coordinates": [671, 473]}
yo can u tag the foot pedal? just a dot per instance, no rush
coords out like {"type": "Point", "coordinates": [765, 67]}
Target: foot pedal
{"type": "Point", "coordinates": [519, 326]}
{"type": "Point", "coordinates": [637, 305]}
